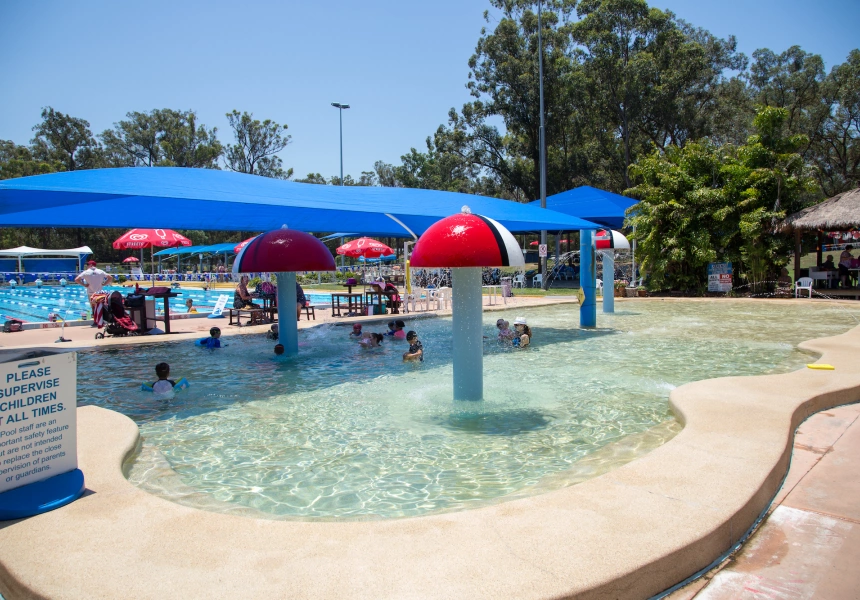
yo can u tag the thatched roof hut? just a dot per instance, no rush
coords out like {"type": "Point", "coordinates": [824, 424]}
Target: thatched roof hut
{"type": "Point", "coordinates": [839, 212]}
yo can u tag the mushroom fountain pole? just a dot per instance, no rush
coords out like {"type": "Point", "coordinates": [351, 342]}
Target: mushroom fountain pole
{"type": "Point", "coordinates": [283, 252]}
{"type": "Point", "coordinates": [607, 241]}
{"type": "Point", "coordinates": [466, 243]}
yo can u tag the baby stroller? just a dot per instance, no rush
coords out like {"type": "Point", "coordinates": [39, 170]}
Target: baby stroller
{"type": "Point", "coordinates": [117, 322]}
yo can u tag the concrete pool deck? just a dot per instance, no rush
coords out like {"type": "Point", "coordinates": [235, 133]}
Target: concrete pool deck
{"type": "Point", "coordinates": [631, 533]}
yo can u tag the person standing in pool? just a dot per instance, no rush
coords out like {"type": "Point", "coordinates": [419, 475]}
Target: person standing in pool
{"type": "Point", "coordinates": [416, 348]}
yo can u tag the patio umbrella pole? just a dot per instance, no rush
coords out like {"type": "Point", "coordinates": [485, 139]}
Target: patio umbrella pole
{"type": "Point", "coordinates": [468, 346]}
{"type": "Point", "coordinates": [288, 332]}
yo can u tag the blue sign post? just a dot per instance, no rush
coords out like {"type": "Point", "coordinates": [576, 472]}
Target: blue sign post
{"type": "Point", "coordinates": [720, 277]}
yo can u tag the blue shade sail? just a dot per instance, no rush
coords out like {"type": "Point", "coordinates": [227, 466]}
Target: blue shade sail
{"type": "Point", "coordinates": [604, 208]}
{"type": "Point", "coordinates": [181, 198]}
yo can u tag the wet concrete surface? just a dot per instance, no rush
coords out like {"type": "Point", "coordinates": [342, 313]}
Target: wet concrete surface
{"type": "Point", "coordinates": [809, 545]}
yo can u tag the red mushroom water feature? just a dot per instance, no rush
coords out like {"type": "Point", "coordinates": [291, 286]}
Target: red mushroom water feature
{"type": "Point", "coordinates": [466, 243]}
{"type": "Point", "coordinates": [607, 242]}
{"type": "Point", "coordinates": [283, 252]}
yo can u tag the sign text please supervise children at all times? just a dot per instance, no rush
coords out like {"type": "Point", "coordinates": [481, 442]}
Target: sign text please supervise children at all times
{"type": "Point", "coordinates": [38, 428]}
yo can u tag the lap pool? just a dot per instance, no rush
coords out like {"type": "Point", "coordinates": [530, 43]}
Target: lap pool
{"type": "Point", "coordinates": [342, 433]}
{"type": "Point", "coordinates": [29, 303]}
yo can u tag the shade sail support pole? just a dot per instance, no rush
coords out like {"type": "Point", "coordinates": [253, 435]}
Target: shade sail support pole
{"type": "Point", "coordinates": [402, 224]}
{"type": "Point", "coordinates": [588, 308]}
{"type": "Point", "coordinates": [288, 327]}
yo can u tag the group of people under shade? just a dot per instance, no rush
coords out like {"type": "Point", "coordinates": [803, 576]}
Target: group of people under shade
{"type": "Point", "coordinates": [242, 297]}
{"type": "Point", "coordinates": [846, 262]}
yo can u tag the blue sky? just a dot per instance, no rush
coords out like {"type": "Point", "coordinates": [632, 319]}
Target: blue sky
{"type": "Point", "coordinates": [400, 64]}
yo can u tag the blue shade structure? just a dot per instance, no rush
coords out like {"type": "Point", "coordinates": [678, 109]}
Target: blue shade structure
{"type": "Point", "coordinates": [586, 202]}
{"type": "Point", "coordinates": [183, 198]}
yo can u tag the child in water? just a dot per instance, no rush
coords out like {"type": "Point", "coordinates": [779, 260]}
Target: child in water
{"type": "Point", "coordinates": [163, 385]}
{"type": "Point", "coordinates": [213, 341]}
{"type": "Point", "coordinates": [279, 349]}
{"type": "Point", "coordinates": [189, 306]}
{"type": "Point", "coordinates": [370, 340]}
{"type": "Point", "coordinates": [356, 330]}
{"type": "Point", "coordinates": [416, 349]}
{"type": "Point", "coordinates": [398, 330]}
{"type": "Point", "coordinates": [506, 336]}
{"type": "Point", "coordinates": [392, 329]}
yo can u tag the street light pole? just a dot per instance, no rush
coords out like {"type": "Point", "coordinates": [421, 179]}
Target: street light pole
{"type": "Point", "coordinates": [340, 108]}
{"type": "Point", "coordinates": [542, 142]}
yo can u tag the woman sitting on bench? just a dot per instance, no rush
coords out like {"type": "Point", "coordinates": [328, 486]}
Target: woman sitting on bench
{"type": "Point", "coordinates": [242, 298]}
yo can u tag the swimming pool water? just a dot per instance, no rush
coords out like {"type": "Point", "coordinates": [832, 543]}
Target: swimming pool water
{"type": "Point", "coordinates": [342, 432]}
{"type": "Point", "coordinates": [30, 303]}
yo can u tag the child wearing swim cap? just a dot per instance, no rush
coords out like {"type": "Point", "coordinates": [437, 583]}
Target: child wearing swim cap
{"type": "Point", "coordinates": [356, 330]}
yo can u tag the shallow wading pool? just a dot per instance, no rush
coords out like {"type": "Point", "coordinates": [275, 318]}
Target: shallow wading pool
{"type": "Point", "coordinates": [342, 432]}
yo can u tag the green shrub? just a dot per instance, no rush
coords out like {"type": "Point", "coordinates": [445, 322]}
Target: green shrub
{"type": "Point", "coordinates": [122, 278]}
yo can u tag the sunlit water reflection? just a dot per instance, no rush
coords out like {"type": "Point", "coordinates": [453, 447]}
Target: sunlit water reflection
{"type": "Point", "coordinates": [342, 432]}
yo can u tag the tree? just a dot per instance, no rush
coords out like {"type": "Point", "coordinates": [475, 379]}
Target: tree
{"type": "Point", "coordinates": [184, 143]}
{"type": "Point", "coordinates": [67, 140]}
{"type": "Point", "coordinates": [654, 78]}
{"type": "Point", "coordinates": [18, 161]}
{"type": "Point", "coordinates": [504, 80]}
{"type": "Point", "coordinates": [162, 137]}
{"type": "Point", "coordinates": [386, 175]}
{"type": "Point", "coordinates": [792, 80]}
{"type": "Point", "coordinates": [316, 178]}
{"type": "Point", "coordinates": [835, 150]}
{"type": "Point", "coordinates": [257, 143]}
{"type": "Point", "coordinates": [702, 203]}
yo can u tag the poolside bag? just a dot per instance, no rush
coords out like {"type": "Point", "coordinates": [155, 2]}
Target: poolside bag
{"type": "Point", "coordinates": [134, 300]}
{"type": "Point", "coordinates": [12, 325]}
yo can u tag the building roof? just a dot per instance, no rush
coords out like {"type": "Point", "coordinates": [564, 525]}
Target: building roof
{"type": "Point", "coordinates": [839, 212]}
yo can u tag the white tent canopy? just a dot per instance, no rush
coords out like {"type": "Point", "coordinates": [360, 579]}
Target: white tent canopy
{"type": "Point", "coordinates": [22, 252]}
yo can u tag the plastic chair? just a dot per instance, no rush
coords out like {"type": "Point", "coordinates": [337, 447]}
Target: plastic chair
{"type": "Point", "coordinates": [519, 280]}
{"type": "Point", "coordinates": [804, 283]}
{"type": "Point", "coordinates": [442, 298]}
{"type": "Point", "coordinates": [537, 280]}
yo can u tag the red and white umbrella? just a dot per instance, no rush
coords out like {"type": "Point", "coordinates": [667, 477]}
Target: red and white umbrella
{"type": "Point", "coordinates": [534, 243]}
{"type": "Point", "coordinates": [151, 238]}
{"type": "Point", "coordinates": [131, 259]}
{"type": "Point", "coordinates": [366, 247]}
